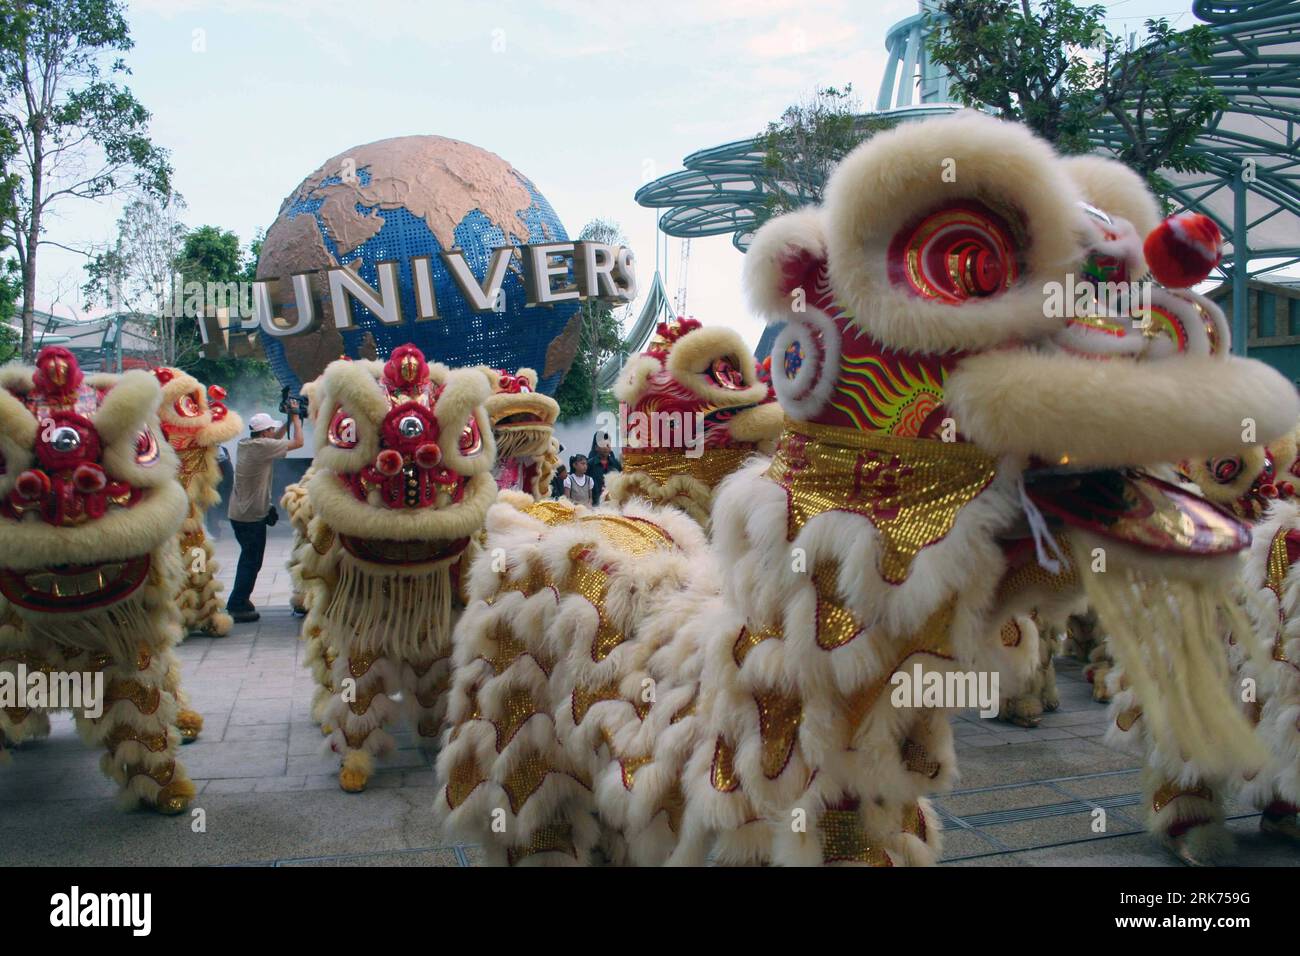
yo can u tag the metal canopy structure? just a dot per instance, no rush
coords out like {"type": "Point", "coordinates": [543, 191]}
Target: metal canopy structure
{"type": "Point", "coordinates": [1251, 186]}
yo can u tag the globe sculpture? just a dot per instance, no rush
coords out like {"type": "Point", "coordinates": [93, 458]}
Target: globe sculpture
{"type": "Point", "coordinates": [406, 197]}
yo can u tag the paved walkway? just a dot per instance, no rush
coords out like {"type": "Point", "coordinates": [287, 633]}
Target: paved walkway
{"type": "Point", "coordinates": [269, 792]}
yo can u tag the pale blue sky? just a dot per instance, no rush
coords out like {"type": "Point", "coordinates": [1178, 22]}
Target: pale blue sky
{"type": "Point", "coordinates": [587, 99]}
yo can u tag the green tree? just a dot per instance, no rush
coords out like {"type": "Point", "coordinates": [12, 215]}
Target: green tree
{"type": "Point", "coordinates": [80, 134]}
{"type": "Point", "coordinates": [213, 255]}
{"type": "Point", "coordinates": [600, 337]}
{"type": "Point", "coordinates": [1054, 66]}
{"type": "Point", "coordinates": [806, 143]}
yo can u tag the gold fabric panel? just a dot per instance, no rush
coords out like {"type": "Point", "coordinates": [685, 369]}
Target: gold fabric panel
{"type": "Point", "coordinates": [629, 766]}
{"type": "Point", "coordinates": [1171, 791]}
{"type": "Point", "coordinates": [932, 639]}
{"type": "Point", "coordinates": [710, 467]}
{"type": "Point", "coordinates": [1011, 634]}
{"type": "Point", "coordinates": [836, 626]}
{"type": "Point", "coordinates": [145, 699]}
{"type": "Point", "coordinates": [779, 716]}
{"type": "Point", "coordinates": [748, 640]}
{"type": "Point", "coordinates": [465, 776]}
{"type": "Point", "coordinates": [154, 743]}
{"type": "Point", "coordinates": [909, 489]}
{"type": "Point", "coordinates": [845, 841]}
{"type": "Point", "coordinates": [918, 760]}
{"type": "Point", "coordinates": [517, 707]}
{"type": "Point", "coordinates": [524, 779]}
{"type": "Point", "coordinates": [508, 649]}
{"type": "Point", "coordinates": [551, 838]}
{"type": "Point", "coordinates": [723, 773]}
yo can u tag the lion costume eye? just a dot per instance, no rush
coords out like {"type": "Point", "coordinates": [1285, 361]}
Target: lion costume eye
{"type": "Point", "coordinates": [961, 251]}
{"type": "Point", "coordinates": [343, 430]}
{"type": "Point", "coordinates": [471, 442]}
{"type": "Point", "coordinates": [188, 406]}
{"type": "Point", "coordinates": [1226, 470]}
{"type": "Point", "coordinates": [146, 449]}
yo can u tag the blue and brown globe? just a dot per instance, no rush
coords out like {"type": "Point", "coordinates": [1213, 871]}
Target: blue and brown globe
{"type": "Point", "coordinates": [397, 199]}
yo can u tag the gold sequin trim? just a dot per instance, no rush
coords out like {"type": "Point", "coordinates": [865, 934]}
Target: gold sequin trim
{"type": "Point", "coordinates": [748, 640]}
{"type": "Point", "coordinates": [779, 716]}
{"type": "Point", "coordinates": [359, 664]}
{"type": "Point", "coordinates": [909, 489]}
{"type": "Point", "coordinates": [524, 779]}
{"type": "Point", "coordinates": [154, 743]}
{"type": "Point", "coordinates": [629, 766]}
{"type": "Point", "coordinates": [161, 774]}
{"type": "Point", "coordinates": [844, 840]}
{"type": "Point", "coordinates": [551, 838]}
{"type": "Point", "coordinates": [932, 639]}
{"type": "Point", "coordinates": [465, 777]}
{"type": "Point", "coordinates": [1128, 718]}
{"type": "Point", "coordinates": [835, 625]}
{"type": "Point", "coordinates": [710, 467]}
{"type": "Point", "coordinates": [723, 772]}
{"type": "Point", "coordinates": [517, 707]}
{"type": "Point", "coordinates": [1172, 791]}
{"type": "Point", "coordinates": [674, 805]}
{"type": "Point", "coordinates": [918, 760]}
{"type": "Point", "coordinates": [145, 699]}
{"type": "Point", "coordinates": [1011, 634]}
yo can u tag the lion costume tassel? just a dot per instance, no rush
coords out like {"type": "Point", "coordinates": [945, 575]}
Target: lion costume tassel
{"type": "Point", "coordinates": [89, 511]}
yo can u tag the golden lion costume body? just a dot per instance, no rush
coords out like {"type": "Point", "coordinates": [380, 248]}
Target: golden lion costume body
{"type": "Point", "coordinates": [89, 572]}
{"type": "Point", "coordinates": [695, 409]}
{"type": "Point", "coordinates": [402, 480]}
{"type": "Point", "coordinates": [955, 454]}
{"type": "Point", "coordinates": [195, 423]}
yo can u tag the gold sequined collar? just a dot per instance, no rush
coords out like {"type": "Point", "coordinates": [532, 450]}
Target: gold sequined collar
{"type": "Point", "coordinates": [910, 489]}
{"type": "Point", "coordinates": [710, 466]}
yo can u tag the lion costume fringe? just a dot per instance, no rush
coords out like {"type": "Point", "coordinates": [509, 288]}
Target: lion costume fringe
{"type": "Point", "coordinates": [623, 686]}
{"type": "Point", "coordinates": [89, 511]}
{"type": "Point", "coordinates": [1183, 799]}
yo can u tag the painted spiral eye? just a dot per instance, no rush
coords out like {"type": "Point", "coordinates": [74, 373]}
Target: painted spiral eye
{"type": "Point", "coordinates": [188, 406]}
{"type": "Point", "coordinates": [146, 449]}
{"type": "Point", "coordinates": [958, 252]}
{"type": "Point", "coordinates": [1226, 470]}
{"type": "Point", "coordinates": [343, 430]}
{"type": "Point", "coordinates": [725, 374]}
{"type": "Point", "coordinates": [471, 442]}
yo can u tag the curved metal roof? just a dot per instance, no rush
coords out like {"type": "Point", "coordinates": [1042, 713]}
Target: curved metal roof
{"type": "Point", "coordinates": [1255, 64]}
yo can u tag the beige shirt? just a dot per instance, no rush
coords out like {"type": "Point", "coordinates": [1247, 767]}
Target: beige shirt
{"type": "Point", "coordinates": [250, 499]}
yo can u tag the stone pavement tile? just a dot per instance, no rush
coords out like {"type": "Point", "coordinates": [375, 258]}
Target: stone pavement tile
{"type": "Point", "coordinates": [235, 760]}
{"type": "Point", "coordinates": [958, 842]}
{"type": "Point", "coordinates": [276, 784]}
{"type": "Point", "coordinates": [273, 710]}
{"type": "Point", "coordinates": [1023, 834]}
{"type": "Point", "coordinates": [1075, 717]}
{"type": "Point", "coordinates": [1032, 734]}
{"type": "Point", "coordinates": [1039, 760]}
{"type": "Point", "coordinates": [473, 854]}
{"type": "Point", "coordinates": [1089, 730]}
{"type": "Point", "coordinates": [1111, 785]}
{"type": "Point", "coordinates": [244, 732]}
{"type": "Point", "coordinates": [229, 785]}
{"type": "Point", "coordinates": [315, 764]}
{"type": "Point", "coordinates": [440, 856]}
{"type": "Point", "coordinates": [964, 804]}
{"type": "Point", "coordinates": [979, 740]}
{"type": "Point", "coordinates": [240, 828]}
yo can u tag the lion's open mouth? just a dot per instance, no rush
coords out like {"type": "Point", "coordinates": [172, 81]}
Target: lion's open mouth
{"type": "Point", "coordinates": [520, 418]}
{"type": "Point", "coordinates": [74, 588]}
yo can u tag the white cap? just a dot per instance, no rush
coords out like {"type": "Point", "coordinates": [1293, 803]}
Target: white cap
{"type": "Point", "coordinates": [261, 421]}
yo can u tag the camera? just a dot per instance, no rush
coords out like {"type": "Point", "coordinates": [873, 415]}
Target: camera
{"type": "Point", "coordinates": [285, 398]}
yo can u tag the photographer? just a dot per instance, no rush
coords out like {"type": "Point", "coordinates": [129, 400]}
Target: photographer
{"type": "Point", "coordinates": [250, 500]}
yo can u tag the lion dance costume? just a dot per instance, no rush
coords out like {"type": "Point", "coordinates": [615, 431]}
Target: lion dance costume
{"type": "Point", "coordinates": [89, 572]}
{"type": "Point", "coordinates": [954, 455]}
{"type": "Point", "coordinates": [695, 408]}
{"type": "Point", "coordinates": [402, 482]}
{"type": "Point", "coordinates": [195, 424]}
